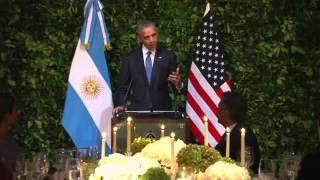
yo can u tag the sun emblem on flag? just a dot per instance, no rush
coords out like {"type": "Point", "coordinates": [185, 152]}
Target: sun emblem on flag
{"type": "Point", "coordinates": [91, 87]}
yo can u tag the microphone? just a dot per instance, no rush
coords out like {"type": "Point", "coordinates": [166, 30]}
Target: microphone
{"type": "Point", "coordinates": [173, 100]}
{"type": "Point", "coordinates": [124, 104]}
{"type": "Point", "coordinates": [126, 96]}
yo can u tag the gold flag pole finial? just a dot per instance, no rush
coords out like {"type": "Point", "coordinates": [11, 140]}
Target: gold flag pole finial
{"type": "Point", "coordinates": [85, 45]}
{"type": "Point", "coordinates": [107, 47]}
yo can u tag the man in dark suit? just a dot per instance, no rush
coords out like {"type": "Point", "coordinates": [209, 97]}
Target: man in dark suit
{"type": "Point", "coordinates": [232, 113]}
{"type": "Point", "coordinates": [147, 72]}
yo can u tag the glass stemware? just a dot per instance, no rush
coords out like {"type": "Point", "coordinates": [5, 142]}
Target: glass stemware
{"type": "Point", "coordinates": [60, 159]}
{"type": "Point", "coordinates": [72, 165]}
{"type": "Point", "coordinates": [249, 156]}
{"type": "Point", "coordinates": [290, 166]}
{"type": "Point", "coordinates": [266, 169]}
{"type": "Point", "coordinates": [19, 171]}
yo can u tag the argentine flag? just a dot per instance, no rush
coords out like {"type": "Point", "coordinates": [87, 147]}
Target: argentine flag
{"type": "Point", "coordinates": [88, 106]}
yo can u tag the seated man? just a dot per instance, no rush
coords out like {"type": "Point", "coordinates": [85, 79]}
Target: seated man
{"type": "Point", "coordinates": [309, 166]}
{"type": "Point", "coordinates": [232, 113]}
{"type": "Point", "coordinates": [9, 150]}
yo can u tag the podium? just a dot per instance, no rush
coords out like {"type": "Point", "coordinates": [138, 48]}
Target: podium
{"type": "Point", "coordinates": [147, 124]}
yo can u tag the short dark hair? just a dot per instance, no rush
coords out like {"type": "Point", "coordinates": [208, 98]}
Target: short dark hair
{"type": "Point", "coordinates": [309, 166]}
{"type": "Point", "coordinates": [7, 102]}
{"type": "Point", "coordinates": [236, 104]}
{"type": "Point", "coordinates": [143, 24]}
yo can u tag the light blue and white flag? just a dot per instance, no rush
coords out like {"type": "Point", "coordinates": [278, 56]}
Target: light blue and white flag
{"type": "Point", "coordinates": [88, 106]}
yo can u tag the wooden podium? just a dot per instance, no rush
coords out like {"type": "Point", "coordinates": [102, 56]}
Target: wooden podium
{"type": "Point", "coordinates": [147, 124]}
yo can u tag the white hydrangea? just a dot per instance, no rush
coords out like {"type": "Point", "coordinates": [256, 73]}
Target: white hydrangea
{"type": "Point", "coordinates": [222, 170]}
{"type": "Point", "coordinates": [161, 149]}
{"type": "Point", "coordinates": [117, 166]}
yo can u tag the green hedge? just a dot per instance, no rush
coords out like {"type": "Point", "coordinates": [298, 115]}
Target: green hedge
{"type": "Point", "coordinates": [271, 50]}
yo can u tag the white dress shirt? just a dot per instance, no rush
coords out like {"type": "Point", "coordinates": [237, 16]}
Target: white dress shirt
{"type": "Point", "coordinates": [145, 54]}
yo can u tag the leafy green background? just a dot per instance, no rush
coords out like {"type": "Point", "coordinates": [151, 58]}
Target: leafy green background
{"type": "Point", "coordinates": [271, 50]}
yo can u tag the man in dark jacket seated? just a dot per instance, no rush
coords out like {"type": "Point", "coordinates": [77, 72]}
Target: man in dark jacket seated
{"type": "Point", "coordinates": [232, 113]}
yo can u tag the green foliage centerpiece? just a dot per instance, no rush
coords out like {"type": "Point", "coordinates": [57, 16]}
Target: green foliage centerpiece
{"type": "Point", "coordinates": [155, 173]}
{"type": "Point", "coordinates": [139, 143]}
{"type": "Point", "coordinates": [89, 164]}
{"type": "Point", "coordinates": [196, 158]}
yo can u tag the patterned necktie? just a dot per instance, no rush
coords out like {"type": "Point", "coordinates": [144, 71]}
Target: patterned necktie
{"type": "Point", "coordinates": [149, 66]}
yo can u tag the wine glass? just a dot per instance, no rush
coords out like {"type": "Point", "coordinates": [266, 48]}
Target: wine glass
{"type": "Point", "coordinates": [59, 160]}
{"type": "Point", "coordinates": [19, 171]}
{"type": "Point", "coordinates": [44, 164]}
{"type": "Point", "coordinates": [249, 156]}
{"type": "Point", "coordinates": [38, 167]}
{"type": "Point", "coordinates": [289, 166]}
{"type": "Point", "coordinates": [266, 169]}
{"type": "Point", "coordinates": [72, 164]}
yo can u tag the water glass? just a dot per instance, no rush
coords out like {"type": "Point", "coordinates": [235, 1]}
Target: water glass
{"type": "Point", "coordinates": [290, 166]}
{"type": "Point", "coordinates": [266, 169]}
{"type": "Point", "coordinates": [91, 152]}
{"type": "Point", "coordinates": [73, 168]}
{"type": "Point", "coordinates": [60, 159]}
{"type": "Point", "coordinates": [20, 171]}
{"type": "Point", "coordinates": [249, 156]}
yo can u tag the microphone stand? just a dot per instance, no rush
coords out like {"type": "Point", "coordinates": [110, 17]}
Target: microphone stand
{"type": "Point", "coordinates": [174, 104]}
{"type": "Point", "coordinates": [122, 114]}
{"type": "Point", "coordinates": [126, 96]}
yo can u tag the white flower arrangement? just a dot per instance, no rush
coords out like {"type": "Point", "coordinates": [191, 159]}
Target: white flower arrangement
{"type": "Point", "coordinates": [117, 166]}
{"type": "Point", "coordinates": [223, 170]}
{"type": "Point", "coordinates": [161, 149]}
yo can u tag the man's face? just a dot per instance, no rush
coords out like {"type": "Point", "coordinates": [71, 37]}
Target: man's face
{"type": "Point", "coordinates": [222, 116]}
{"type": "Point", "coordinates": [149, 38]}
{"type": "Point", "coordinates": [13, 116]}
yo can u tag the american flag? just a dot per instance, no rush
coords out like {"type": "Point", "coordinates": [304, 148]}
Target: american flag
{"type": "Point", "coordinates": [207, 82]}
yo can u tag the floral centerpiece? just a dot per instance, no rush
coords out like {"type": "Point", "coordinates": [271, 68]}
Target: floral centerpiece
{"type": "Point", "coordinates": [155, 173]}
{"type": "Point", "coordinates": [153, 155]}
{"type": "Point", "coordinates": [117, 166]}
{"type": "Point", "coordinates": [139, 143]}
{"type": "Point", "coordinates": [226, 170]}
{"type": "Point", "coordinates": [197, 158]}
{"type": "Point", "coordinates": [154, 160]}
{"type": "Point", "coordinates": [160, 150]}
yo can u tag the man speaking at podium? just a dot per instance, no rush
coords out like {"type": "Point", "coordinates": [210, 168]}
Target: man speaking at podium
{"type": "Point", "coordinates": [149, 72]}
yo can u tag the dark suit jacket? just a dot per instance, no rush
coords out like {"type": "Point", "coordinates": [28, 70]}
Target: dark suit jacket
{"type": "Point", "coordinates": [235, 145]}
{"type": "Point", "coordinates": [145, 96]}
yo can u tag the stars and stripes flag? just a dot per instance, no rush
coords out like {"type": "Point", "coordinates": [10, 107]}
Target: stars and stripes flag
{"type": "Point", "coordinates": [207, 81]}
{"type": "Point", "coordinates": [88, 106]}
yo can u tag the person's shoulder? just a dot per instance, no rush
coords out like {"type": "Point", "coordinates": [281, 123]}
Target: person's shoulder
{"type": "Point", "coordinates": [134, 52]}
{"type": "Point", "coordinates": [165, 51]}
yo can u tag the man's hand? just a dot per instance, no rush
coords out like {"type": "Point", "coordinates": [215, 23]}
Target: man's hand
{"type": "Point", "coordinates": [175, 78]}
{"type": "Point", "coordinates": [117, 109]}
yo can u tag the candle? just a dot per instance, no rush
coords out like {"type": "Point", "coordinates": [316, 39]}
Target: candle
{"type": "Point", "coordinates": [162, 130]}
{"type": "Point", "coordinates": [243, 145]}
{"type": "Point", "coordinates": [172, 151]}
{"type": "Point", "coordinates": [80, 168]}
{"type": "Point", "coordinates": [183, 174]}
{"type": "Point", "coordinates": [103, 145]}
{"type": "Point", "coordinates": [91, 177]}
{"type": "Point", "coordinates": [228, 142]}
{"type": "Point", "coordinates": [129, 119]}
{"type": "Point", "coordinates": [114, 145]}
{"type": "Point", "coordinates": [206, 130]}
